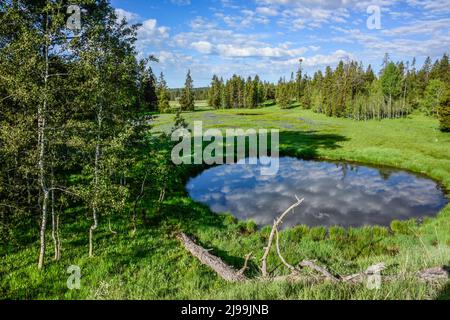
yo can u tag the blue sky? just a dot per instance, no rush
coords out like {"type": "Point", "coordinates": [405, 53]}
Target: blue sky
{"type": "Point", "coordinates": [268, 37]}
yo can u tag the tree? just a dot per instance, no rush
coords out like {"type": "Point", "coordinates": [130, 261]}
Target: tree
{"type": "Point", "coordinates": [444, 111]}
{"type": "Point", "coordinates": [148, 97]}
{"type": "Point", "coordinates": [32, 39]}
{"type": "Point", "coordinates": [163, 95]}
{"type": "Point", "coordinates": [283, 95]}
{"type": "Point", "coordinates": [187, 101]}
{"type": "Point", "coordinates": [215, 93]}
{"type": "Point", "coordinates": [391, 80]}
{"type": "Point", "coordinates": [105, 70]}
{"type": "Point", "coordinates": [432, 97]}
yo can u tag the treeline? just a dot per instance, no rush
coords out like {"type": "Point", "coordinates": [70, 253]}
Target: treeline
{"type": "Point", "coordinates": [200, 94]}
{"type": "Point", "coordinates": [239, 93]}
{"type": "Point", "coordinates": [349, 90]}
{"type": "Point", "coordinates": [71, 130]}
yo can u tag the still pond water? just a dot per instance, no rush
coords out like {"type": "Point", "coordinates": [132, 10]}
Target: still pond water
{"type": "Point", "coordinates": [335, 193]}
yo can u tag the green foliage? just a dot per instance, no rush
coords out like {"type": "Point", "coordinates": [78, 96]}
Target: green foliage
{"type": "Point", "coordinates": [391, 81]}
{"type": "Point", "coordinates": [283, 96]}
{"type": "Point", "coordinates": [444, 111]}
{"type": "Point", "coordinates": [229, 219]}
{"type": "Point", "coordinates": [433, 96]}
{"type": "Point", "coordinates": [187, 100]}
{"type": "Point", "coordinates": [337, 233]}
{"type": "Point", "coordinates": [251, 226]}
{"type": "Point", "coordinates": [317, 233]}
{"type": "Point", "coordinates": [403, 227]}
{"type": "Point", "coordinates": [215, 93]}
{"type": "Point", "coordinates": [300, 231]}
{"type": "Point", "coordinates": [163, 95]}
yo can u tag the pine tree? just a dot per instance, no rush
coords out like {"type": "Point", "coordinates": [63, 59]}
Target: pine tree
{"type": "Point", "coordinates": [163, 95]}
{"type": "Point", "coordinates": [148, 89]}
{"type": "Point", "coordinates": [215, 93]}
{"type": "Point", "coordinates": [283, 95]}
{"type": "Point", "coordinates": [187, 100]}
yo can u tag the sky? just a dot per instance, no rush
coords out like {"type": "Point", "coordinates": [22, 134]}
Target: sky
{"type": "Point", "coordinates": [269, 37]}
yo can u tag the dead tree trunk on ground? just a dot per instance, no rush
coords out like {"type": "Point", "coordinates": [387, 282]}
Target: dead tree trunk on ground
{"type": "Point", "coordinates": [228, 273]}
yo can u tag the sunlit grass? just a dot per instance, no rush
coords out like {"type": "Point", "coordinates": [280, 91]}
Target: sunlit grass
{"type": "Point", "coordinates": [151, 264]}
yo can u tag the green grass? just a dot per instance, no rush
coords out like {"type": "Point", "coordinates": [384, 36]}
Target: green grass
{"type": "Point", "coordinates": [151, 264]}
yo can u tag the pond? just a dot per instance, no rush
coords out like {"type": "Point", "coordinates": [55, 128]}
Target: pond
{"type": "Point", "coordinates": [341, 194]}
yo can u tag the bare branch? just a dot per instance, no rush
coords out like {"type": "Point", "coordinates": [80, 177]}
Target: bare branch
{"type": "Point", "coordinates": [291, 267]}
{"type": "Point", "coordinates": [247, 258]}
{"type": "Point", "coordinates": [276, 223]}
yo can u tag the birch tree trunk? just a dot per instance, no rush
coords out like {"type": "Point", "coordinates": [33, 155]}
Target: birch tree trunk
{"type": "Point", "coordinates": [96, 180]}
{"type": "Point", "coordinates": [42, 113]}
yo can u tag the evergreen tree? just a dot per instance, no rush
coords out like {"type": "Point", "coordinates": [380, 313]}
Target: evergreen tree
{"type": "Point", "coordinates": [187, 100]}
{"type": "Point", "coordinates": [283, 95]}
{"type": "Point", "coordinates": [148, 88]}
{"type": "Point", "coordinates": [215, 93]}
{"type": "Point", "coordinates": [163, 95]}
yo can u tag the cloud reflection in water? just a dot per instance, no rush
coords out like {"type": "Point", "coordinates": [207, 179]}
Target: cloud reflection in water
{"type": "Point", "coordinates": [335, 194]}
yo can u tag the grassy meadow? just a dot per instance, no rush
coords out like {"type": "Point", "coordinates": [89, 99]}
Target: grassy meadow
{"type": "Point", "coordinates": [152, 264]}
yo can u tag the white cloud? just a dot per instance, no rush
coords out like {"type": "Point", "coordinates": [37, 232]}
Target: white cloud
{"type": "Point", "coordinates": [181, 2]}
{"type": "Point", "coordinates": [267, 11]}
{"type": "Point", "coordinates": [202, 46]}
{"type": "Point", "coordinates": [150, 34]}
{"type": "Point", "coordinates": [130, 17]}
{"type": "Point", "coordinates": [324, 60]}
{"type": "Point", "coordinates": [420, 27]}
{"type": "Point", "coordinates": [229, 50]}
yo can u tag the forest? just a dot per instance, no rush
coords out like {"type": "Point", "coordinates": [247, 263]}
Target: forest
{"type": "Point", "coordinates": [81, 161]}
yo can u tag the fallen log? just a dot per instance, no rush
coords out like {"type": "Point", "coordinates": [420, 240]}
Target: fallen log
{"type": "Point", "coordinates": [230, 274]}
{"type": "Point", "coordinates": [221, 268]}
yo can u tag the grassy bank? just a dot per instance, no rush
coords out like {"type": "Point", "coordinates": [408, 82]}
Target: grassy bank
{"type": "Point", "coordinates": [151, 264]}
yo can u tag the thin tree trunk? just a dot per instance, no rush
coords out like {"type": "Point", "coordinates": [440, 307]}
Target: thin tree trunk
{"type": "Point", "coordinates": [42, 110]}
{"type": "Point", "coordinates": [55, 242]}
{"type": "Point", "coordinates": [96, 174]}
{"type": "Point", "coordinates": [91, 232]}
{"type": "Point", "coordinates": [138, 198]}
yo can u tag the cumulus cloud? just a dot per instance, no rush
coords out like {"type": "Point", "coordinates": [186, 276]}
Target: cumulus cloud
{"type": "Point", "coordinates": [229, 50]}
{"type": "Point", "coordinates": [267, 11]}
{"type": "Point", "coordinates": [150, 33]}
{"type": "Point", "coordinates": [202, 46]}
{"type": "Point", "coordinates": [130, 17]}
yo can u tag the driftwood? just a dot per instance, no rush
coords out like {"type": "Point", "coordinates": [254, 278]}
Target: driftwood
{"type": "Point", "coordinates": [221, 268]}
{"type": "Point", "coordinates": [276, 223]}
{"type": "Point", "coordinates": [228, 273]}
